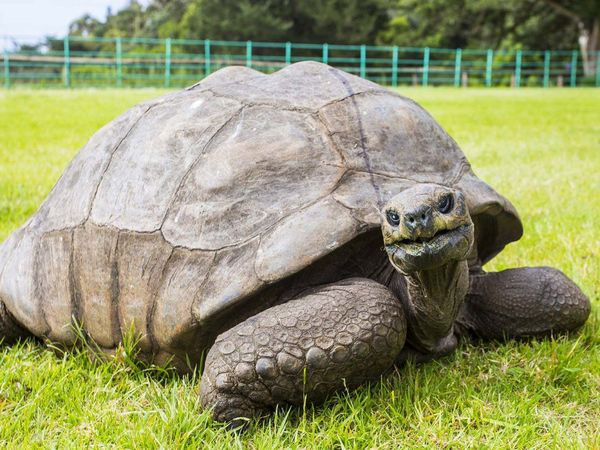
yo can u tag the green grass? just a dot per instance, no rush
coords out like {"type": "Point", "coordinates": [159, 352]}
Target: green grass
{"type": "Point", "coordinates": [539, 148]}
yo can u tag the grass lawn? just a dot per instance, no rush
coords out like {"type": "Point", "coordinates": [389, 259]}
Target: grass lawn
{"type": "Point", "coordinates": [540, 148]}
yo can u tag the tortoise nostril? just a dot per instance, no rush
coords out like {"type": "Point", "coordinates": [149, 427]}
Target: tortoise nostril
{"type": "Point", "coordinates": [419, 218]}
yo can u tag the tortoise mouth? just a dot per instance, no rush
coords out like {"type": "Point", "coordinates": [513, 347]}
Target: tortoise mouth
{"type": "Point", "coordinates": [425, 240]}
{"type": "Point", "coordinates": [409, 255]}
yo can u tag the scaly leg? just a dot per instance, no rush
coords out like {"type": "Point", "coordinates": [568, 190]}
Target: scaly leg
{"type": "Point", "coordinates": [524, 302]}
{"type": "Point", "coordinates": [330, 338]}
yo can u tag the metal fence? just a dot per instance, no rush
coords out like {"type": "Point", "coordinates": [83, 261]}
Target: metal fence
{"type": "Point", "coordinates": [148, 62]}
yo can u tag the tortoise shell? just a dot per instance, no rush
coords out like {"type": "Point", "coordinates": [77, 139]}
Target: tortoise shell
{"type": "Point", "coordinates": [179, 213]}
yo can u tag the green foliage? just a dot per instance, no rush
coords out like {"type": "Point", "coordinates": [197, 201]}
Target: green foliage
{"type": "Point", "coordinates": [239, 20]}
{"type": "Point", "coordinates": [539, 148]}
{"type": "Point", "coordinates": [535, 24]}
{"type": "Point", "coordinates": [348, 21]}
{"type": "Point", "coordinates": [478, 24]}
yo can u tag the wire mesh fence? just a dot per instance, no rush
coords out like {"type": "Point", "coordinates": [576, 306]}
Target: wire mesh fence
{"type": "Point", "coordinates": [76, 61]}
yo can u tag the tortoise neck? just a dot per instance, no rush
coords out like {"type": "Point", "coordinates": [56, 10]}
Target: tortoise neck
{"type": "Point", "coordinates": [433, 298]}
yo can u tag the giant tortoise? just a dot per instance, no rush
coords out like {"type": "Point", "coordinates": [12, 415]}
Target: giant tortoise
{"type": "Point", "coordinates": [239, 223]}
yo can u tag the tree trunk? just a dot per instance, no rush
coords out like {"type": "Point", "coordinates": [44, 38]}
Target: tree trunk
{"type": "Point", "coordinates": [593, 46]}
{"type": "Point", "coordinates": [589, 37]}
{"type": "Point", "coordinates": [588, 44]}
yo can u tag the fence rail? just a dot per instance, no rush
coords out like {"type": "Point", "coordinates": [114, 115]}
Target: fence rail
{"type": "Point", "coordinates": [76, 61]}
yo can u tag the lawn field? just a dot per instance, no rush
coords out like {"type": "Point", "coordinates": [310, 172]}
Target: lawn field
{"type": "Point", "coordinates": [540, 148]}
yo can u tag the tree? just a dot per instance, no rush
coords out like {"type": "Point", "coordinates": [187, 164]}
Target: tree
{"type": "Point", "coordinates": [337, 21]}
{"type": "Point", "coordinates": [476, 24]}
{"type": "Point", "coordinates": [234, 20]}
{"type": "Point", "coordinates": [86, 25]}
{"type": "Point", "coordinates": [313, 21]}
{"type": "Point", "coordinates": [509, 24]}
{"type": "Point", "coordinates": [585, 14]}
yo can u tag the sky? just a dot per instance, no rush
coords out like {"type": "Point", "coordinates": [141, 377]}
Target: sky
{"type": "Point", "coordinates": [28, 19]}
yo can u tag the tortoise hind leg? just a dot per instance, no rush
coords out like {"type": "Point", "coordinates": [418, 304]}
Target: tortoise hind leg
{"type": "Point", "coordinates": [328, 339]}
{"type": "Point", "coordinates": [523, 302]}
{"type": "Point", "coordinates": [10, 330]}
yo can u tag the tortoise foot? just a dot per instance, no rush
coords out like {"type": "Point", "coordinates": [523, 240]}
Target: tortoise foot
{"type": "Point", "coordinates": [529, 301]}
{"type": "Point", "coordinates": [331, 338]}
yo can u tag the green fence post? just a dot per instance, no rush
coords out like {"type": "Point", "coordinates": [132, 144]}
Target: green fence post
{"type": "Point", "coordinates": [248, 53]}
{"type": "Point", "coordinates": [288, 53]}
{"type": "Point", "coordinates": [67, 61]}
{"type": "Point", "coordinates": [488, 67]}
{"type": "Point", "coordinates": [425, 66]}
{"type": "Point", "coordinates": [168, 62]}
{"type": "Point", "coordinates": [518, 60]}
{"type": "Point", "coordinates": [6, 69]}
{"type": "Point", "coordinates": [457, 69]}
{"type": "Point", "coordinates": [574, 68]}
{"type": "Point", "coordinates": [395, 66]}
{"type": "Point", "coordinates": [547, 68]}
{"type": "Point", "coordinates": [119, 51]}
{"type": "Point", "coordinates": [206, 57]}
{"type": "Point", "coordinates": [363, 61]}
{"type": "Point", "coordinates": [325, 53]}
{"type": "Point", "coordinates": [598, 69]}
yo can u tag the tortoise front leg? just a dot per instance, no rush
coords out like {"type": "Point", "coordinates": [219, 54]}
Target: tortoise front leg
{"type": "Point", "coordinates": [524, 302]}
{"type": "Point", "coordinates": [330, 338]}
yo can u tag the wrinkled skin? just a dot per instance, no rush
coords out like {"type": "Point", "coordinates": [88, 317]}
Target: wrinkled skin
{"type": "Point", "coordinates": [340, 335]}
{"type": "Point", "coordinates": [418, 236]}
{"type": "Point", "coordinates": [428, 234]}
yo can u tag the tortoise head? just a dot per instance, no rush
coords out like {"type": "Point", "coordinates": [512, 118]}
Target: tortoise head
{"type": "Point", "coordinates": [425, 227]}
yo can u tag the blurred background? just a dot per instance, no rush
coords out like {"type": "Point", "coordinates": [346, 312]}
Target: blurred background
{"type": "Point", "coordinates": [395, 42]}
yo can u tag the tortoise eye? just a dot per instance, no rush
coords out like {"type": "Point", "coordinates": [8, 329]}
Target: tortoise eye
{"type": "Point", "coordinates": [393, 218]}
{"type": "Point", "coordinates": [446, 204]}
